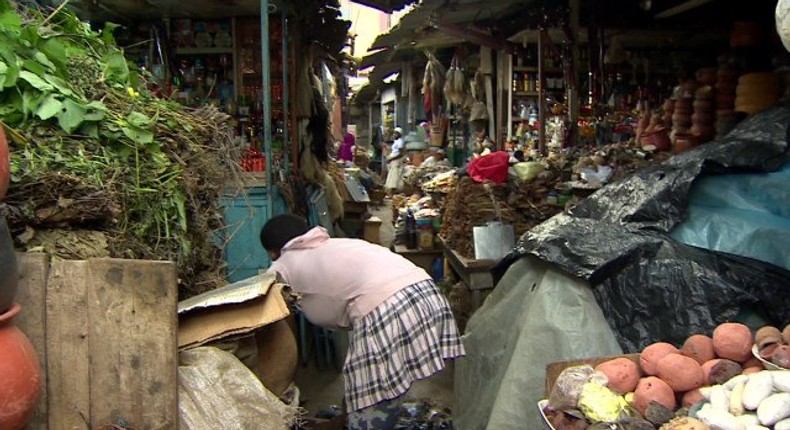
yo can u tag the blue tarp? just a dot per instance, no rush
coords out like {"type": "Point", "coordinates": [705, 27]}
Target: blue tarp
{"type": "Point", "coordinates": [744, 214]}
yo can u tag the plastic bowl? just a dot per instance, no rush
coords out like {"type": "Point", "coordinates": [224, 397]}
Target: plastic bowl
{"type": "Point", "coordinates": [546, 424]}
{"type": "Point", "coordinates": [767, 364]}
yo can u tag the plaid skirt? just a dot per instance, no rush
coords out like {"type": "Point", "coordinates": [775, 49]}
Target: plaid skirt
{"type": "Point", "coordinates": [405, 339]}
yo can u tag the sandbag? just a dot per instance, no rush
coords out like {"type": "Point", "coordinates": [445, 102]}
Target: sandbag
{"type": "Point", "coordinates": [217, 391]}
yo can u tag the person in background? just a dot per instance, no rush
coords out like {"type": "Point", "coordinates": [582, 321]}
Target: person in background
{"type": "Point", "coordinates": [402, 328]}
{"type": "Point", "coordinates": [395, 163]}
{"type": "Point", "coordinates": [377, 142]}
{"type": "Point", "coordinates": [346, 151]}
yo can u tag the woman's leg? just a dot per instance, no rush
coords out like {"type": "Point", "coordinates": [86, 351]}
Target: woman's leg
{"type": "Point", "coordinates": [381, 416]}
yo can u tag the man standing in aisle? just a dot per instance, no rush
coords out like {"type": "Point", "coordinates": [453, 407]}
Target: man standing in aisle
{"type": "Point", "coordinates": [395, 163]}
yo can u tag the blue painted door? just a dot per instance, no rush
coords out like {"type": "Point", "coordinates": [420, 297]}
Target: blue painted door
{"type": "Point", "coordinates": [244, 218]}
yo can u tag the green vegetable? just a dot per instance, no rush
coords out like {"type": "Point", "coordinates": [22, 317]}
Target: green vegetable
{"type": "Point", "coordinates": [83, 126]}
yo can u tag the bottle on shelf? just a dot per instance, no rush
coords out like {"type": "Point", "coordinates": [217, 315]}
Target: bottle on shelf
{"type": "Point", "coordinates": [411, 230]}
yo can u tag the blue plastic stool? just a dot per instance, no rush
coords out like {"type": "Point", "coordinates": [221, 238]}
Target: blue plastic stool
{"type": "Point", "coordinates": [323, 340]}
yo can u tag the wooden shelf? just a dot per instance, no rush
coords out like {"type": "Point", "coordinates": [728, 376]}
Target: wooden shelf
{"type": "Point", "coordinates": [526, 93]}
{"type": "Point", "coordinates": [525, 69]}
{"type": "Point", "coordinates": [215, 50]}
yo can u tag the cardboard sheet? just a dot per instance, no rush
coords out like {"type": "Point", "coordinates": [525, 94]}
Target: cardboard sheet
{"type": "Point", "coordinates": [236, 309]}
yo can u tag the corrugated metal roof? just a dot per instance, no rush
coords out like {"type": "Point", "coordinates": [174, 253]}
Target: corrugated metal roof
{"type": "Point", "coordinates": [416, 31]}
{"type": "Point", "coordinates": [416, 25]}
{"type": "Point", "coordinates": [388, 6]}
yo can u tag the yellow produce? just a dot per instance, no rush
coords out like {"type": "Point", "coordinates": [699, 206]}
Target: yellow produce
{"type": "Point", "coordinates": [600, 404]}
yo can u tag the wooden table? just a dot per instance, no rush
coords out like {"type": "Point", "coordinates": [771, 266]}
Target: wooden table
{"type": "Point", "coordinates": [421, 257]}
{"type": "Point", "coordinates": [475, 273]}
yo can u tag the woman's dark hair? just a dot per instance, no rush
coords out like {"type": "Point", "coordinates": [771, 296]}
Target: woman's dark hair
{"type": "Point", "coordinates": [280, 229]}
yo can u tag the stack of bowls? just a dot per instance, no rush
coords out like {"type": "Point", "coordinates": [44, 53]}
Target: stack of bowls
{"type": "Point", "coordinates": [681, 117]}
{"type": "Point", "coordinates": [703, 118]}
{"type": "Point", "coordinates": [726, 83]}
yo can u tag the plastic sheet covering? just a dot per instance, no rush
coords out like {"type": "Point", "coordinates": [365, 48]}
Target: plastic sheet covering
{"type": "Point", "coordinates": [649, 286]}
{"type": "Point", "coordinates": [535, 316]}
{"type": "Point", "coordinates": [745, 214]}
{"type": "Point", "coordinates": [783, 21]}
{"type": "Point", "coordinates": [217, 391]}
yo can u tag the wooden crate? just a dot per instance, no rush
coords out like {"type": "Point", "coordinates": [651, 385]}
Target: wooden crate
{"type": "Point", "coordinates": [553, 370]}
{"type": "Point", "coordinates": [105, 334]}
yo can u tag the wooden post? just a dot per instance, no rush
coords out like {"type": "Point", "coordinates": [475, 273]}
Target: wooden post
{"type": "Point", "coordinates": [486, 67]}
{"type": "Point", "coordinates": [572, 86]}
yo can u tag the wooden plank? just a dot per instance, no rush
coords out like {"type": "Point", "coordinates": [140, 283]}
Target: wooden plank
{"type": "Point", "coordinates": [133, 372]}
{"type": "Point", "coordinates": [68, 361]}
{"type": "Point", "coordinates": [31, 295]}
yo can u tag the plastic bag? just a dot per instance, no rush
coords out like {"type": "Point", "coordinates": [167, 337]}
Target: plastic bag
{"type": "Point", "coordinates": [479, 112]}
{"type": "Point", "coordinates": [528, 170]}
{"type": "Point", "coordinates": [217, 391]}
{"type": "Point", "coordinates": [492, 167]}
{"type": "Point", "coordinates": [650, 286]}
{"type": "Point", "coordinates": [568, 387]}
{"type": "Point", "coordinates": [536, 315]}
{"type": "Point", "coordinates": [783, 22]}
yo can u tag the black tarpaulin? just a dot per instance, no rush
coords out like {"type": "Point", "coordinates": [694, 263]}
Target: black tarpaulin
{"type": "Point", "coordinates": [649, 286]}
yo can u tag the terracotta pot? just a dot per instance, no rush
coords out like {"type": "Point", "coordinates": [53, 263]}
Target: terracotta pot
{"type": "Point", "coordinates": [706, 76]}
{"type": "Point", "coordinates": [9, 277]}
{"type": "Point", "coordinates": [703, 106]}
{"type": "Point", "coordinates": [701, 118]}
{"type": "Point", "coordinates": [658, 138]}
{"type": "Point", "coordinates": [5, 166]}
{"type": "Point", "coordinates": [20, 373]}
{"type": "Point", "coordinates": [684, 142]}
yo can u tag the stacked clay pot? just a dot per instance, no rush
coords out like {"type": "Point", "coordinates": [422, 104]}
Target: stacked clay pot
{"type": "Point", "coordinates": [702, 121]}
{"type": "Point", "coordinates": [756, 92]}
{"type": "Point", "coordinates": [726, 83]}
{"type": "Point", "coordinates": [669, 110]}
{"type": "Point", "coordinates": [656, 135]}
{"type": "Point", "coordinates": [8, 268]}
{"type": "Point", "coordinates": [20, 373]}
{"type": "Point", "coordinates": [19, 366]}
{"type": "Point", "coordinates": [684, 108]}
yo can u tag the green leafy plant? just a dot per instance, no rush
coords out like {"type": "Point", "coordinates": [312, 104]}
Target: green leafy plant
{"type": "Point", "coordinates": [78, 112]}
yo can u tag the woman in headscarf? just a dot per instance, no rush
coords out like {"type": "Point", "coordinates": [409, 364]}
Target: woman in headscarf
{"type": "Point", "coordinates": [346, 151]}
{"type": "Point", "coordinates": [395, 163]}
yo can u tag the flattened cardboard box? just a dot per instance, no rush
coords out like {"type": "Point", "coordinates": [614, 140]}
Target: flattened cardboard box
{"type": "Point", "coordinates": [235, 309]}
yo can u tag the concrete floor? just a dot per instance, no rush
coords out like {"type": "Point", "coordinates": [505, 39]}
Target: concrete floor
{"type": "Point", "coordinates": [322, 388]}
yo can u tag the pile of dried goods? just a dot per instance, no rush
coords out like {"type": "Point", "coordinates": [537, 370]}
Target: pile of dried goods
{"type": "Point", "coordinates": [93, 150]}
{"type": "Point", "coordinates": [422, 175]}
{"type": "Point", "coordinates": [525, 204]}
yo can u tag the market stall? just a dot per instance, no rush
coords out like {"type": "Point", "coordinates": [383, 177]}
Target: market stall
{"type": "Point", "coordinates": [132, 188]}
